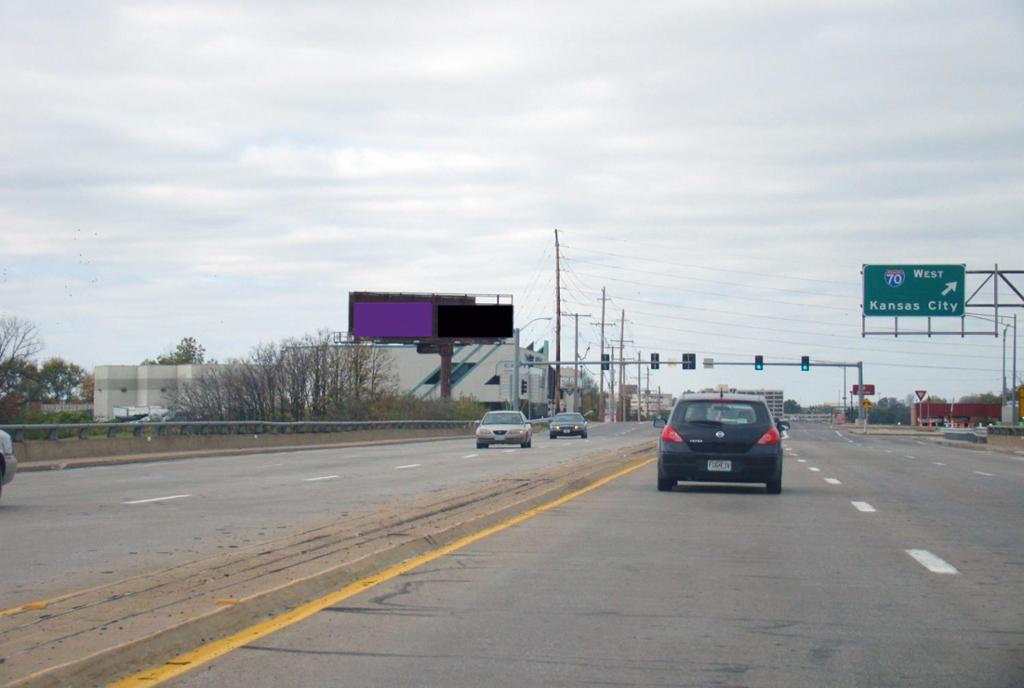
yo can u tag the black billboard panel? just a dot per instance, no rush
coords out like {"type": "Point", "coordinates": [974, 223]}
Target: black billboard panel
{"type": "Point", "coordinates": [474, 322]}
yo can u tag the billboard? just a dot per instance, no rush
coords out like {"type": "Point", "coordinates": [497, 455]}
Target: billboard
{"type": "Point", "coordinates": [474, 322]}
{"type": "Point", "coordinates": [384, 319]}
{"type": "Point", "coordinates": [428, 318]}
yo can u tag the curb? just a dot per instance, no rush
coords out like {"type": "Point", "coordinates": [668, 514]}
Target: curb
{"type": "Point", "coordinates": [39, 466]}
{"type": "Point", "coordinates": [157, 648]}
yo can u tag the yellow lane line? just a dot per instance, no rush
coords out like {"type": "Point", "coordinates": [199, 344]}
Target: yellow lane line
{"type": "Point", "coordinates": [211, 651]}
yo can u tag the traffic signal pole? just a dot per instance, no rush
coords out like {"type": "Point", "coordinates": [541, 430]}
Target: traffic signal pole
{"type": "Point", "coordinates": [859, 365]}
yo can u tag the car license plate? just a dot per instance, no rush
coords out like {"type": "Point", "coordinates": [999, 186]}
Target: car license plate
{"type": "Point", "coordinates": [567, 431]}
{"type": "Point", "coordinates": [719, 465]}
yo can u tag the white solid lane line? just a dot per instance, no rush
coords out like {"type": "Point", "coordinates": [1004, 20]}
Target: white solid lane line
{"type": "Point", "coordinates": [987, 475]}
{"type": "Point", "coordinates": [931, 562]}
{"type": "Point", "coordinates": [156, 499]}
{"type": "Point", "coordinates": [938, 463]}
{"type": "Point", "coordinates": [864, 507]}
{"type": "Point", "coordinates": [470, 456]}
{"type": "Point", "coordinates": [322, 477]}
{"type": "Point", "coordinates": [411, 465]}
{"type": "Point", "coordinates": [832, 481]}
{"type": "Point", "coordinates": [812, 468]}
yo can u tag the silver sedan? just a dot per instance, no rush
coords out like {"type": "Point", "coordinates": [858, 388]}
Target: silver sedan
{"type": "Point", "coordinates": [504, 427]}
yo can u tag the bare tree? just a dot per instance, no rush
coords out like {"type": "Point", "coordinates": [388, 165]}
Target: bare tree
{"type": "Point", "coordinates": [19, 343]}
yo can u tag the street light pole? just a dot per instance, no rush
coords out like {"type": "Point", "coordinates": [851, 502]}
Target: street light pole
{"type": "Point", "coordinates": [515, 363]}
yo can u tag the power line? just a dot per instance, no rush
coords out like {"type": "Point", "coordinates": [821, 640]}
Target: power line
{"type": "Point", "coordinates": [705, 267]}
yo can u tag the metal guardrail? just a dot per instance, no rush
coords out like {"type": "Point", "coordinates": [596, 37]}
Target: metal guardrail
{"type": "Point", "coordinates": [111, 430]}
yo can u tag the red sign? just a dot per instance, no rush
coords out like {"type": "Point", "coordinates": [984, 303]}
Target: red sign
{"type": "Point", "coordinates": [921, 394]}
{"type": "Point", "coordinates": [868, 390]}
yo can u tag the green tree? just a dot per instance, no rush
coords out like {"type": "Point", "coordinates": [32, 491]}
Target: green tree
{"type": "Point", "coordinates": [791, 406]}
{"type": "Point", "coordinates": [60, 381]}
{"type": "Point", "coordinates": [188, 351]}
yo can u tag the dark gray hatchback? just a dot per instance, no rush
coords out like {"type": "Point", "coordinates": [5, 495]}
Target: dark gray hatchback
{"type": "Point", "coordinates": [720, 438]}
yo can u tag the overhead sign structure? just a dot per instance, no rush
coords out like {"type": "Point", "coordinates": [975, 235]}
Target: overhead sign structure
{"type": "Point", "coordinates": [935, 291]}
{"type": "Point", "coordinates": [868, 389]}
{"type": "Point", "coordinates": [921, 394]}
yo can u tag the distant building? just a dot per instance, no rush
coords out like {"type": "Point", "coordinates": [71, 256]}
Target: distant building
{"type": "Point", "coordinates": [143, 386]}
{"type": "Point", "coordinates": [650, 403]}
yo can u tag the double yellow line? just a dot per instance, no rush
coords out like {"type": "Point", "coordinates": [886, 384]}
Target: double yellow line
{"type": "Point", "coordinates": [211, 651]}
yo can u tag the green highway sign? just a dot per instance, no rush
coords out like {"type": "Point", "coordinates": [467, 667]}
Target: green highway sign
{"type": "Point", "coordinates": [914, 290]}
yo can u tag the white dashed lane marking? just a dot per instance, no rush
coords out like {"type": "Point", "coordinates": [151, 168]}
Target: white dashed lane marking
{"type": "Point", "coordinates": [156, 499]}
{"type": "Point", "coordinates": [813, 469]}
{"type": "Point", "coordinates": [987, 475]}
{"type": "Point", "coordinates": [470, 456]}
{"type": "Point", "coordinates": [322, 477]}
{"type": "Point", "coordinates": [802, 460]}
{"type": "Point", "coordinates": [911, 457]}
{"type": "Point", "coordinates": [938, 463]}
{"type": "Point", "coordinates": [864, 507]}
{"type": "Point", "coordinates": [832, 481]}
{"type": "Point", "coordinates": [931, 562]}
{"type": "Point", "coordinates": [411, 465]}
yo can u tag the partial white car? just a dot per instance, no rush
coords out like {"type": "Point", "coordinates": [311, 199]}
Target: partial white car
{"type": "Point", "coordinates": [504, 427]}
{"type": "Point", "coordinates": [8, 464]}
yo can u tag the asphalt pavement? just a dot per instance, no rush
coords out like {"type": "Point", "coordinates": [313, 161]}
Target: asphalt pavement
{"type": "Point", "coordinates": [884, 562]}
{"type": "Point", "coordinates": [67, 530]}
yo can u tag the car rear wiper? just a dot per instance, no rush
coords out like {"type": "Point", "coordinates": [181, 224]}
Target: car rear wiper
{"type": "Point", "coordinates": [706, 422]}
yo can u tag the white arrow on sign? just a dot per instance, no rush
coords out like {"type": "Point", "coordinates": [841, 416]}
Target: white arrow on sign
{"type": "Point", "coordinates": [950, 286]}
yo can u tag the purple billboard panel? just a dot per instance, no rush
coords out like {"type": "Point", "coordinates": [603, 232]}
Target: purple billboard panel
{"type": "Point", "coordinates": [392, 319]}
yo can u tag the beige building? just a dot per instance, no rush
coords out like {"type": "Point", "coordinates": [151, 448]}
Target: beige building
{"type": "Point", "coordinates": [140, 388]}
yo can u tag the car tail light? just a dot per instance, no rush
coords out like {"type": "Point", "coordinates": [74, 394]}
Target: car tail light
{"type": "Point", "coordinates": [770, 437]}
{"type": "Point", "coordinates": [669, 434]}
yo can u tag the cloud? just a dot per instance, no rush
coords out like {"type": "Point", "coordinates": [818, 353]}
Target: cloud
{"type": "Point", "coordinates": [231, 170]}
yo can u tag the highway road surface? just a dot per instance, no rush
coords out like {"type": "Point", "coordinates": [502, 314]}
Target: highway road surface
{"type": "Point", "coordinates": [885, 562]}
{"type": "Point", "coordinates": [72, 529]}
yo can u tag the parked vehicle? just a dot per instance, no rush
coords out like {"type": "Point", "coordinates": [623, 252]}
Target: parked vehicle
{"type": "Point", "coordinates": [504, 427]}
{"type": "Point", "coordinates": [720, 438]}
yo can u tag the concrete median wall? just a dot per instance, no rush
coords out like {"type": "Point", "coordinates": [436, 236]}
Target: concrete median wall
{"type": "Point", "coordinates": [46, 450]}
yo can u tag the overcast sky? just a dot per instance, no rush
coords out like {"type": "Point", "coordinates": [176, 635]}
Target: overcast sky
{"type": "Point", "coordinates": [230, 171]}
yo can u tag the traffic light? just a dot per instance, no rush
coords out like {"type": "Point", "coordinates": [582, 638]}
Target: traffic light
{"type": "Point", "coordinates": [805, 363]}
{"type": "Point", "coordinates": [523, 388]}
{"type": "Point", "coordinates": [759, 362]}
{"type": "Point", "coordinates": [606, 362]}
{"type": "Point", "coordinates": [655, 361]}
{"type": "Point", "coordinates": [689, 361]}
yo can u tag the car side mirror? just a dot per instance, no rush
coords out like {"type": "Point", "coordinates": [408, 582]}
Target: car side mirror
{"type": "Point", "coordinates": [660, 422]}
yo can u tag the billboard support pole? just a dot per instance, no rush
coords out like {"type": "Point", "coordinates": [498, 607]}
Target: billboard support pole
{"type": "Point", "coordinates": [446, 349]}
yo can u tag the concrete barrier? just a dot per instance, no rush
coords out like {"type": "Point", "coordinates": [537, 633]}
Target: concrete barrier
{"type": "Point", "coordinates": [69, 449]}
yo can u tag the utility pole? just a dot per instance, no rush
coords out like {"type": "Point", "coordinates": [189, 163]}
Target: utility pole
{"type": "Point", "coordinates": [639, 382]}
{"type": "Point", "coordinates": [600, 402]}
{"type": "Point", "coordinates": [622, 368]}
{"type": "Point", "coordinates": [558, 325]}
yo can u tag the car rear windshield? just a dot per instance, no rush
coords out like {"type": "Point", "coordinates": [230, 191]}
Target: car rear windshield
{"type": "Point", "coordinates": [503, 419]}
{"type": "Point", "coordinates": [721, 412]}
{"type": "Point", "coordinates": [568, 418]}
